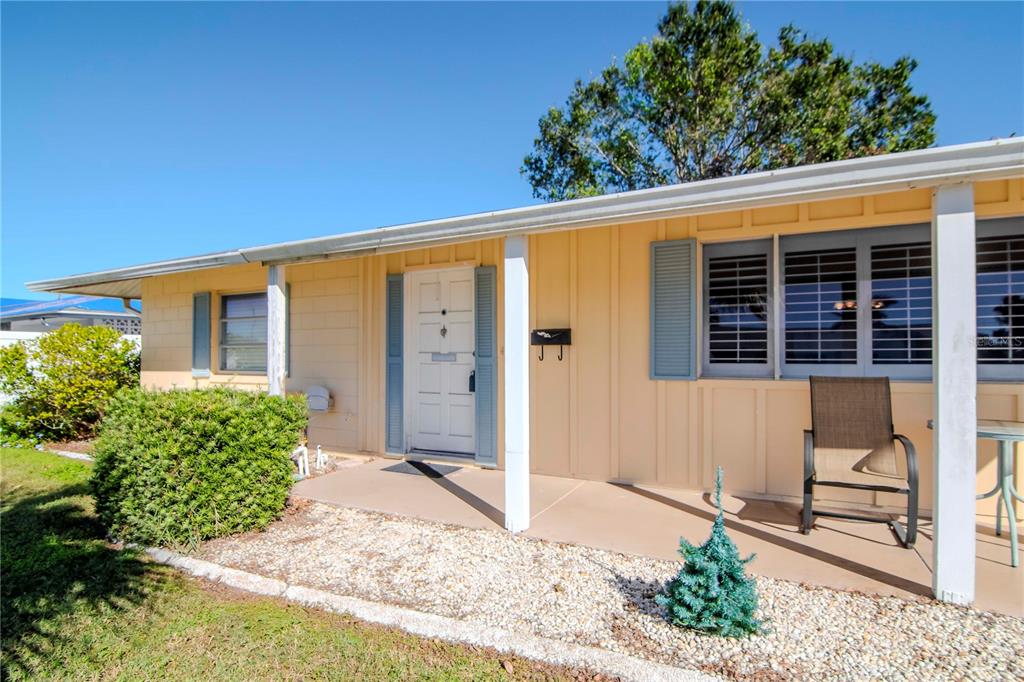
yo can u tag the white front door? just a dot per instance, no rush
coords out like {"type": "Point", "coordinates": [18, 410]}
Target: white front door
{"type": "Point", "coordinates": [440, 357]}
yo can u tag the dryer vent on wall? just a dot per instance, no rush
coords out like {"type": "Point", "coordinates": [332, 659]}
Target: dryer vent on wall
{"type": "Point", "coordinates": [318, 399]}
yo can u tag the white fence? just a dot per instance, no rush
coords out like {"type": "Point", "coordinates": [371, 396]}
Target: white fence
{"type": "Point", "coordinates": [8, 338]}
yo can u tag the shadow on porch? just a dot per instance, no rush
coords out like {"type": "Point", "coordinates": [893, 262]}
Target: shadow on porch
{"type": "Point", "coordinates": [648, 521]}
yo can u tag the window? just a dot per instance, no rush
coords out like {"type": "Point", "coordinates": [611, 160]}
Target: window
{"type": "Point", "coordinates": [737, 309]}
{"type": "Point", "coordinates": [1000, 292]}
{"type": "Point", "coordinates": [243, 333]}
{"type": "Point", "coordinates": [901, 304]}
{"type": "Point", "coordinates": [820, 301]}
{"type": "Point", "coordinates": [858, 303]}
{"type": "Point", "coordinates": [854, 303]}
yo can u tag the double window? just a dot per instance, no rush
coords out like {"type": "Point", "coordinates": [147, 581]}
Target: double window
{"type": "Point", "coordinates": [857, 303]}
{"type": "Point", "coordinates": [243, 333]}
{"type": "Point", "coordinates": [854, 303]}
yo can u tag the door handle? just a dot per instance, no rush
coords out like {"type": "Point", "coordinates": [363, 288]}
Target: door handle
{"type": "Point", "coordinates": [472, 381]}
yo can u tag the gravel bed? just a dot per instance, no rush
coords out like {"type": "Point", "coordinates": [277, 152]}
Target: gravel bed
{"type": "Point", "coordinates": [600, 598]}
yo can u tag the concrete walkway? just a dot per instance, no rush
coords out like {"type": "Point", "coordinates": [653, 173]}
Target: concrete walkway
{"type": "Point", "coordinates": [648, 521]}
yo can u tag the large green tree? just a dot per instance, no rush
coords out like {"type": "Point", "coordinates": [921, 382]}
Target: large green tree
{"type": "Point", "coordinates": [705, 99]}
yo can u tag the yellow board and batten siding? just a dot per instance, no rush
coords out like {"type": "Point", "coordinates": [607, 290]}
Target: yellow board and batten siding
{"type": "Point", "coordinates": [596, 414]}
{"type": "Point", "coordinates": [336, 335]}
{"type": "Point", "coordinates": [325, 315]}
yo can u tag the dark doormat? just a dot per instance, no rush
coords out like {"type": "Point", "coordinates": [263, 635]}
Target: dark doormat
{"type": "Point", "coordinates": [422, 469]}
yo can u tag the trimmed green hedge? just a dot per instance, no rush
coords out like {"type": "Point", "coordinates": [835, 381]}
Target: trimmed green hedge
{"type": "Point", "coordinates": [177, 467]}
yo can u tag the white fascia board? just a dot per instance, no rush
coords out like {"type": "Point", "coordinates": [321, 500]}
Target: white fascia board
{"type": "Point", "coordinates": [164, 267]}
{"type": "Point", "coordinates": [992, 160]}
{"type": "Point", "coordinates": [886, 173]}
{"type": "Point", "coordinates": [66, 312]}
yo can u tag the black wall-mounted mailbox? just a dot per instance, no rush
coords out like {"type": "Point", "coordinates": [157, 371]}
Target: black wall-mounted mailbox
{"type": "Point", "coordinates": [551, 337]}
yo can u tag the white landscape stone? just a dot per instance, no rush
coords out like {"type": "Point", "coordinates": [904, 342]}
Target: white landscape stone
{"type": "Point", "coordinates": [72, 455]}
{"type": "Point", "coordinates": [476, 583]}
{"type": "Point", "coordinates": [250, 582]}
{"type": "Point", "coordinates": [440, 627]}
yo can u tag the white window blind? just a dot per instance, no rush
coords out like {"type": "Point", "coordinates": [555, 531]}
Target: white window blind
{"type": "Point", "coordinates": [243, 333]}
{"type": "Point", "coordinates": [737, 302]}
{"type": "Point", "coordinates": [901, 304]}
{"type": "Point", "coordinates": [1000, 291]}
{"type": "Point", "coordinates": [820, 306]}
{"type": "Point", "coordinates": [856, 303]}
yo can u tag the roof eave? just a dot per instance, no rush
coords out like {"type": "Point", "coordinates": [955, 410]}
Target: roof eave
{"type": "Point", "coordinates": [75, 283]}
{"type": "Point", "coordinates": [888, 173]}
{"type": "Point", "coordinates": [992, 160]}
{"type": "Point", "coordinates": [67, 312]}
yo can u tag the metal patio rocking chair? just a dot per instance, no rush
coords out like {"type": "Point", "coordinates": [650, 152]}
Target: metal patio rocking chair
{"type": "Point", "coordinates": [851, 445]}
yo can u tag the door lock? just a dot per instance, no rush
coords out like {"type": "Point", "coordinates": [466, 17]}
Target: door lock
{"type": "Point", "coordinates": [444, 331]}
{"type": "Point", "coordinates": [472, 381]}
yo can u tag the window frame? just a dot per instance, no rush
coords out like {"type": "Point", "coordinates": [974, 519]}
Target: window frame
{"type": "Point", "coordinates": [861, 240]}
{"type": "Point", "coordinates": [997, 227]}
{"type": "Point", "coordinates": [221, 346]}
{"type": "Point", "coordinates": [818, 241]}
{"type": "Point", "coordinates": [924, 369]}
{"type": "Point", "coordinates": [746, 247]}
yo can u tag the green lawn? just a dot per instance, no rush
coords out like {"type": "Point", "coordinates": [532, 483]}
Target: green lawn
{"type": "Point", "coordinates": [74, 607]}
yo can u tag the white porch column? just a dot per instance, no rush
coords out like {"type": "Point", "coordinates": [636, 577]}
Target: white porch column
{"type": "Point", "coordinates": [517, 385]}
{"type": "Point", "coordinates": [954, 358]}
{"type": "Point", "coordinates": [276, 330]}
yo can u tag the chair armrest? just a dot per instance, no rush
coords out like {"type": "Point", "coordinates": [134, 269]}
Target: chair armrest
{"type": "Point", "coordinates": [809, 454]}
{"type": "Point", "coordinates": [911, 451]}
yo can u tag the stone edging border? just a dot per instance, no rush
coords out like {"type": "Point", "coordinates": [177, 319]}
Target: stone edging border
{"type": "Point", "coordinates": [71, 455]}
{"type": "Point", "coordinates": [436, 627]}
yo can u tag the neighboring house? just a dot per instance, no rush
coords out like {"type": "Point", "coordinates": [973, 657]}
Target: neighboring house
{"type": "Point", "coordinates": [22, 315]}
{"type": "Point", "coordinates": [695, 312]}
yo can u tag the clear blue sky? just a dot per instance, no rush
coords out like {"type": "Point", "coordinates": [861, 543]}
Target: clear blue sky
{"type": "Point", "coordinates": [137, 132]}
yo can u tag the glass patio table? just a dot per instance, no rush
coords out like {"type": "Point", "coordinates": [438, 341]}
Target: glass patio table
{"type": "Point", "coordinates": [1005, 433]}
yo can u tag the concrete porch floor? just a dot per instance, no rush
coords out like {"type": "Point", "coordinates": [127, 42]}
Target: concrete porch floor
{"type": "Point", "coordinates": [648, 521]}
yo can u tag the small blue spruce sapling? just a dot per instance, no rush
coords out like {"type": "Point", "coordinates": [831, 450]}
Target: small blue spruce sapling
{"type": "Point", "coordinates": [712, 592]}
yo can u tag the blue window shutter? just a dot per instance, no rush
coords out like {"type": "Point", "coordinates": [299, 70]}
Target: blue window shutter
{"type": "Point", "coordinates": [201, 334]}
{"type": "Point", "coordinates": [395, 441]}
{"type": "Point", "coordinates": [673, 309]}
{"type": "Point", "coordinates": [486, 366]}
{"type": "Point", "coordinates": [287, 329]}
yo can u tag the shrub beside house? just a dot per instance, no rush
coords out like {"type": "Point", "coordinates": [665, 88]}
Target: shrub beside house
{"type": "Point", "coordinates": [178, 467]}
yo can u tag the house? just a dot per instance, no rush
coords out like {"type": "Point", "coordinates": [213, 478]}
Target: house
{"type": "Point", "coordinates": [645, 336]}
{"type": "Point", "coordinates": [37, 317]}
